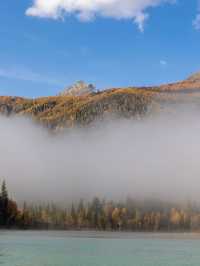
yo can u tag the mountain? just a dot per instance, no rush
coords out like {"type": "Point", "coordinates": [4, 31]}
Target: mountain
{"type": "Point", "coordinates": [81, 104]}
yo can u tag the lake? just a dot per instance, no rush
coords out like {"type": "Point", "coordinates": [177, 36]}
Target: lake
{"type": "Point", "coordinates": [20, 248]}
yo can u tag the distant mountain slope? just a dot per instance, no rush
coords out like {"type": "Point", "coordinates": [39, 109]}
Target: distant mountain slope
{"type": "Point", "coordinates": [190, 84]}
{"type": "Point", "coordinates": [82, 105]}
{"type": "Point", "coordinates": [194, 78]}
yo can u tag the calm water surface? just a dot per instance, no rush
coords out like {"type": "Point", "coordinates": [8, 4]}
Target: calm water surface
{"type": "Point", "coordinates": [98, 249]}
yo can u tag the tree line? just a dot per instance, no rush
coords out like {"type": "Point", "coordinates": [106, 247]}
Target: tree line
{"type": "Point", "coordinates": [97, 214]}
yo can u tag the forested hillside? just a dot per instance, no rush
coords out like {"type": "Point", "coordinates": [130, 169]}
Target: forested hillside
{"type": "Point", "coordinates": [67, 111]}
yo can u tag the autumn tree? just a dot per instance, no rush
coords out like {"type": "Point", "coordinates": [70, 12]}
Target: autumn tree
{"type": "Point", "coordinates": [3, 204]}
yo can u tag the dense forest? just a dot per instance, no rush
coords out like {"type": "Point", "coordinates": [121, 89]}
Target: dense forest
{"type": "Point", "coordinates": [131, 215]}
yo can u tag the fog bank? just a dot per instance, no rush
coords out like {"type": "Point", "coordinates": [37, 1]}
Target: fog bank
{"type": "Point", "coordinates": [157, 157]}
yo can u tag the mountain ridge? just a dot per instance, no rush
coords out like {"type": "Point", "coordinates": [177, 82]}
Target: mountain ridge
{"type": "Point", "coordinates": [81, 104]}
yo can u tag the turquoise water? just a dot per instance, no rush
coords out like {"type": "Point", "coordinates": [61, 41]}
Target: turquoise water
{"type": "Point", "coordinates": [98, 249]}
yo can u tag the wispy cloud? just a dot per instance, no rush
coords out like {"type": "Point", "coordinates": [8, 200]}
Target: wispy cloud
{"type": "Point", "coordinates": [25, 74]}
{"type": "Point", "coordinates": [196, 22]}
{"type": "Point", "coordinates": [163, 62]}
{"type": "Point", "coordinates": [135, 10]}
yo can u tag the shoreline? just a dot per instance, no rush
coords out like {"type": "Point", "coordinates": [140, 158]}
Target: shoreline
{"type": "Point", "coordinates": [105, 234]}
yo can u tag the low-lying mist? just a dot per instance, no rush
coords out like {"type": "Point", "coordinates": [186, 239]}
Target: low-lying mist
{"type": "Point", "coordinates": [156, 157]}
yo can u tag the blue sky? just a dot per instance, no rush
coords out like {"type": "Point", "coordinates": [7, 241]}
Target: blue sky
{"type": "Point", "coordinates": [43, 51]}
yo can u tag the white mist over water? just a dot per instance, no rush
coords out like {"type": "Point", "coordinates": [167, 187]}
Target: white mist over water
{"type": "Point", "coordinates": [157, 157]}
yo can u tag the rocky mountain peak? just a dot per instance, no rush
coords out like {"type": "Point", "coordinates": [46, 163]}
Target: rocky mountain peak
{"type": "Point", "coordinates": [80, 88]}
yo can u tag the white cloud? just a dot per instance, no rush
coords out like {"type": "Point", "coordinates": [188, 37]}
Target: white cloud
{"type": "Point", "coordinates": [196, 22]}
{"type": "Point", "coordinates": [88, 9]}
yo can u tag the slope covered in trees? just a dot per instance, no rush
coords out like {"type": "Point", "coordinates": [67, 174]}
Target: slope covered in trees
{"type": "Point", "coordinates": [68, 111]}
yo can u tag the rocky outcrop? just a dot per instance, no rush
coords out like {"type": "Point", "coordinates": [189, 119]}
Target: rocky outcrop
{"type": "Point", "coordinates": [78, 89]}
